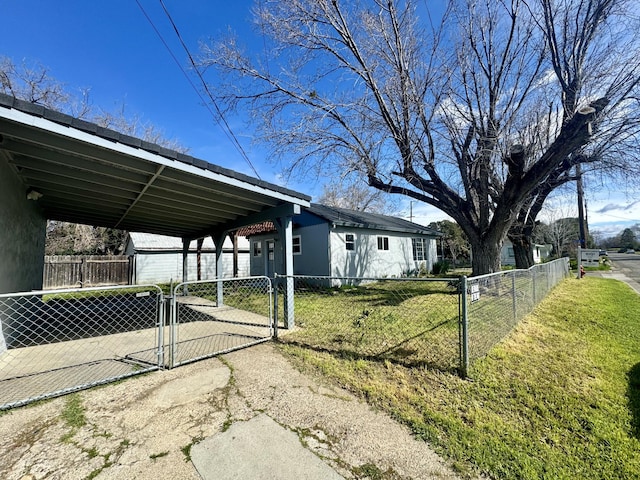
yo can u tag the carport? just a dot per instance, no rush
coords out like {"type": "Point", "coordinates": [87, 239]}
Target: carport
{"type": "Point", "coordinates": [76, 171]}
{"type": "Point", "coordinates": [56, 167]}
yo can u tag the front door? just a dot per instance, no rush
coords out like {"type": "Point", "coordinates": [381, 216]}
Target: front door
{"type": "Point", "coordinates": [271, 256]}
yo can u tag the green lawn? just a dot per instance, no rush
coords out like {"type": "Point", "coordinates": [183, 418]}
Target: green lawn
{"type": "Point", "coordinates": [413, 323]}
{"type": "Point", "coordinates": [559, 398]}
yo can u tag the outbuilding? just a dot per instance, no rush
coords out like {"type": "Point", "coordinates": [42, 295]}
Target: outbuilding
{"type": "Point", "coordinates": [158, 258]}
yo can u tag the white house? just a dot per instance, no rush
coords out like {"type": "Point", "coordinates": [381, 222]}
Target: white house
{"type": "Point", "coordinates": [336, 242]}
{"type": "Point", "coordinates": [158, 258]}
{"type": "Point", "coordinates": [540, 253]}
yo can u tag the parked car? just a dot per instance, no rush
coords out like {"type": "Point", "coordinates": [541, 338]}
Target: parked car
{"type": "Point", "coordinates": [631, 250]}
{"type": "Point", "coordinates": [603, 253]}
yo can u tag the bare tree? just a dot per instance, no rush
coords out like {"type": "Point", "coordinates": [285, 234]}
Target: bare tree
{"type": "Point", "coordinates": [592, 52]}
{"type": "Point", "coordinates": [33, 83]}
{"type": "Point", "coordinates": [560, 227]}
{"type": "Point", "coordinates": [355, 195]}
{"type": "Point", "coordinates": [434, 113]}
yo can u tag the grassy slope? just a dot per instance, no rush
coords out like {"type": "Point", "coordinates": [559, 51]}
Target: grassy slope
{"type": "Point", "coordinates": [560, 398]}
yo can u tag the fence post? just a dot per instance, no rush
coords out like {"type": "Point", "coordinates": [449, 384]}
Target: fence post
{"type": "Point", "coordinates": [465, 327]}
{"type": "Point", "coordinates": [276, 281]}
{"type": "Point", "coordinates": [83, 273]}
{"type": "Point", "coordinates": [533, 273]}
{"type": "Point", "coordinates": [514, 296]}
{"type": "Point", "coordinates": [173, 309]}
{"type": "Point", "coordinates": [163, 314]}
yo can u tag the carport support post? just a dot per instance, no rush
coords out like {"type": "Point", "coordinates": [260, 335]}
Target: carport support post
{"type": "Point", "coordinates": [218, 241]}
{"type": "Point", "coordinates": [185, 262]}
{"type": "Point", "coordinates": [284, 225]}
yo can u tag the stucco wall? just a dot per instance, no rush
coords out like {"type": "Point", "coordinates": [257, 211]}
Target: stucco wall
{"type": "Point", "coordinates": [22, 235]}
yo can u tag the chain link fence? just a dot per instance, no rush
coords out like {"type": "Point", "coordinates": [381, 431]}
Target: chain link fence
{"type": "Point", "coordinates": [496, 303]}
{"type": "Point", "coordinates": [216, 316]}
{"type": "Point", "coordinates": [414, 322]}
{"type": "Point", "coordinates": [60, 341]}
{"type": "Point", "coordinates": [55, 342]}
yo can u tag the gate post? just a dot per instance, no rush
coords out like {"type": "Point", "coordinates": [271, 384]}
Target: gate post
{"type": "Point", "coordinates": [464, 367]}
{"type": "Point", "coordinates": [274, 292]}
{"type": "Point", "coordinates": [163, 313]}
{"type": "Point", "coordinates": [172, 315]}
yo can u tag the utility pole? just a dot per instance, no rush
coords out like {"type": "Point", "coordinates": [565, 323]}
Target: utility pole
{"type": "Point", "coordinates": [581, 217]}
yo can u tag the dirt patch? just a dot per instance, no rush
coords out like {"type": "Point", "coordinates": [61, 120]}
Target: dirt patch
{"type": "Point", "coordinates": [144, 427]}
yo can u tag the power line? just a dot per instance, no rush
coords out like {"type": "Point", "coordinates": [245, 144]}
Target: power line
{"type": "Point", "coordinates": [219, 117]}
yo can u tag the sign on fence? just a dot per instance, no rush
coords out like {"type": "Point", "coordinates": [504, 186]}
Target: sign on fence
{"type": "Point", "coordinates": [475, 293]}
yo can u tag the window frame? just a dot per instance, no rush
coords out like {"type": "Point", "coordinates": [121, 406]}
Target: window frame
{"type": "Point", "coordinates": [299, 244]}
{"type": "Point", "coordinates": [351, 242]}
{"type": "Point", "coordinates": [256, 249]}
{"type": "Point", "coordinates": [415, 242]}
{"type": "Point", "coordinates": [383, 243]}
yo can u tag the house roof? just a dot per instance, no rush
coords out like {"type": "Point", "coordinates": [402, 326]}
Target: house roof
{"type": "Point", "coordinates": [351, 219]}
{"type": "Point", "coordinates": [92, 175]}
{"type": "Point", "coordinates": [149, 242]}
{"type": "Point", "coordinates": [355, 219]}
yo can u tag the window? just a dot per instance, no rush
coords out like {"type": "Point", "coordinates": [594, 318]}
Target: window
{"type": "Point", "coordinates": [419, 249]}
{"type": "Point", "coordinates": [350, 241]}
{"type": "Point", "coordinates": [383, 243]}
{"type": "Point", "coordinates": [297, 245]}
{"type": "Point", "coordinates": [510, 252]}
{"type": "Point", "coordinates": [257, 249]}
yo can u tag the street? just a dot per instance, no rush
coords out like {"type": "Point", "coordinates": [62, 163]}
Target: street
{"type": "Point", "coordinates": [627, 264]}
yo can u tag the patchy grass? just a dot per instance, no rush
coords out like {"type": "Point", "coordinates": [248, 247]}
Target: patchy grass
{"type": "Point", "coordinates": [413, 323]}
{"type": "Point", "coordinates": [155, 456]}
{"type": "Point", "coordinates": [559, 398]}
{"type": "Point", "coordinates": [73, 412]}
{"type": "Point", "coordinates": [186, 450]}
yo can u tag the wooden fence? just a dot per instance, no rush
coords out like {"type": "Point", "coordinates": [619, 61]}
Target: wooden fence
{"type": "Point", "coordinates": [69, 271]}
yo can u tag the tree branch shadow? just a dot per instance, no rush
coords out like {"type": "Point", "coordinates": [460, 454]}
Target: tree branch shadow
{"type": "Point", "coordinates": [633, 396]}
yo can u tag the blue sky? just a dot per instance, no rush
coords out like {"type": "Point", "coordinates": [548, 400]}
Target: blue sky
{"type": "Point", "coordinates": [112, 49]}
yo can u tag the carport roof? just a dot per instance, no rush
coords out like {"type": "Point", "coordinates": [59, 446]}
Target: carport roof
{"type": "Point", "coordinates": [92, 175]}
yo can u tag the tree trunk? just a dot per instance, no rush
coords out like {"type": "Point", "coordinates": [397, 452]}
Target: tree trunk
{"type": "Point", "coordinates": [523, 253]}
{"type": "Point", "coordinates": [485, 256]}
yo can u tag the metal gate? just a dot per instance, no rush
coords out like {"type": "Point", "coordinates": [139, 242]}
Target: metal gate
{"type": "Point", "coordinates": [59, 341]}
{"type": "Point", "coordinates": [216, 316]}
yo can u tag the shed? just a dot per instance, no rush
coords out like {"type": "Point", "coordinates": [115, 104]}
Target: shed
{"type": "Point", "coordinates": [540, 253]}
{"type": "Point", "coordinates": [158, 258]}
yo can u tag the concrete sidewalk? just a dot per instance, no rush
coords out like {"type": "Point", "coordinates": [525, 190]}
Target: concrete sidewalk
{"type": "Point", "coordinates": [246, 415]}
{"type": "Point", "coordinates": [259, 449]}
{"type": "Point", "coordinates": [617, 276]}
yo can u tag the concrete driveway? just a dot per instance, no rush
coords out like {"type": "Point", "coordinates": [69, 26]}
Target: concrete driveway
{"type": "Point", "coordinates": [248, 414]}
